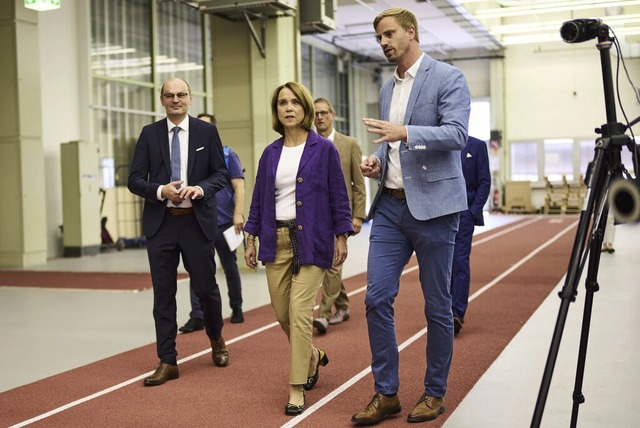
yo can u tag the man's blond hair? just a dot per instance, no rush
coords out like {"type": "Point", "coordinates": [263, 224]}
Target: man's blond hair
{"type": "Point", "coordinates": [404, 17]}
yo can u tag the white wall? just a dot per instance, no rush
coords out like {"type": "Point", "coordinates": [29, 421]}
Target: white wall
{"type": "Point", "coordinates": [61, 104]}
{"type": "Point", "coordinates": [477, 75]}
{"type": "Point", "coordinates": [556, 91]}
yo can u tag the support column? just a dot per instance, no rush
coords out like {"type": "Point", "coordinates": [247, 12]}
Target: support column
{"type": "Point", "coordinates": [244, 80]}
{"type": "Point", "coordinates": [23, 239]}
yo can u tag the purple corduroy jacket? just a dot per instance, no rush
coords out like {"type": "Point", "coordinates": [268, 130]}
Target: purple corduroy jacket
{"type": "Point", "coordinates": [322, 203]}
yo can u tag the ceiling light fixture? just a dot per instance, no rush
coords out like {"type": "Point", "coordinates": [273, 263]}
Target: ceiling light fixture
{"type": "Point", "coordinates": [42, 5]}
{"type": "Point", "coordinates": [550, 7]}
{"type": "Point", "coordinates": [534, 27]}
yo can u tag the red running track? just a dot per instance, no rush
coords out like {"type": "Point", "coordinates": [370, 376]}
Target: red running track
{"type": "Point", "coordinates": [514, 268]}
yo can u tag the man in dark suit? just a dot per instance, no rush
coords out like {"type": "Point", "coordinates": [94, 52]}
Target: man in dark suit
{"type": "Point", "coordinates": [178, 166]}
{"type": "Point", "coordinates": [475, 167]}
{"type": "Point", "coordinates": [424, 111]}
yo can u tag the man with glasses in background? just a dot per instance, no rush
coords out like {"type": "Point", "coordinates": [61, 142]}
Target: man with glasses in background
{"type": "Point", "coordinates": [333, 291]}
{"type": "Point", "coordinates": [177, 167]}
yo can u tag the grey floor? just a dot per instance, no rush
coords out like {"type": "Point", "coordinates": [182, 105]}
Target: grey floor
{"type": "Point", "coordinates": [47, 331]}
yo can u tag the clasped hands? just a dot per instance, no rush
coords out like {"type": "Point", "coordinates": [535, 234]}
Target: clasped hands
{"type": "Point", "coordinates": [174, 194]}
{"type": "Point", "coordinates": [389, 133]}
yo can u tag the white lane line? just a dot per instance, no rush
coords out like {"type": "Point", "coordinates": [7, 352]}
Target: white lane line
{"type": "Point", "coordinates": [309, 411]}
{"type": "Point", "coordinates": [136, 379]}
{"type": "Point", "coordinates": [268, 326]}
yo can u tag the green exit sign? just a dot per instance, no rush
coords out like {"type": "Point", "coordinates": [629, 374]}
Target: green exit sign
{"type": "Point", "coordinates": [42, 5]}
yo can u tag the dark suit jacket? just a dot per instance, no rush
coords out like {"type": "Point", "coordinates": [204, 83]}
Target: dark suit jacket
{"type": "Point", "coordinates": [151, 167]}
{"type": "Point", "coordinates": [475, 167]}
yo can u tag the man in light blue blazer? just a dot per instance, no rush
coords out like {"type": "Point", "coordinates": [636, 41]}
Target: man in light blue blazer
{"type": "Point", "coordinates": [424, 110]}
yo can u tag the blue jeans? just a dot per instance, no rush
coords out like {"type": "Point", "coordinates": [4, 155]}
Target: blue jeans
{"type": "Point", "coordinates": [229, 262]}
{"type": "Point", "coordinates": [395, 235]}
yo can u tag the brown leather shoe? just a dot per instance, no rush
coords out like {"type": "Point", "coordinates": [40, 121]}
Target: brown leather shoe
{"type": "Point", "coordinates": [219, 352]}
{"type": "Point", "coordinates": [379, 408]}
{"type": "Point", "coordinates": [163, 373]}
{"type": "Point", "coordinates": [427, 409]}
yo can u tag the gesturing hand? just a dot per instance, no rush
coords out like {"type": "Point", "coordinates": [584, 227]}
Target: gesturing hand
{"type": "Point", "coordinates": [388, 132]}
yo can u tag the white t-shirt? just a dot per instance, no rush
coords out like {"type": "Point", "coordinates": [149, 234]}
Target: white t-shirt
{"type": "Point", "coordinates": [286, 176]}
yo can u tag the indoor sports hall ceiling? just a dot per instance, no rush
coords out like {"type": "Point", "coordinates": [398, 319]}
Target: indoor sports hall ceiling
{"type": "Point", "coordinates": [459, 28]}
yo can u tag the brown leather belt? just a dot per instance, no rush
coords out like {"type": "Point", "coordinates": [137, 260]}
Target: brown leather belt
{"type": "Point", "coordinates": [179, 211]}
{"type": "Point", "coordinates": [394, 193]}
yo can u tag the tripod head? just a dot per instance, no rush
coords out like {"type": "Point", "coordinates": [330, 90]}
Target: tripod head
{"type": "Point", "coordinates": [624, 193]}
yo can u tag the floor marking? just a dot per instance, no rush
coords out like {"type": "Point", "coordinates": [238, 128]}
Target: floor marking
{"type": "Point", "coordinates": [308, 412]}
{"type": "Point", "coordinates": [344, 386]}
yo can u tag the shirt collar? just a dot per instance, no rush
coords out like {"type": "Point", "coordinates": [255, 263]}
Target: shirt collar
{"type": "Point", "coordinates": [184, 125]}
{"type": "Point", "coordinates": [411, 72]}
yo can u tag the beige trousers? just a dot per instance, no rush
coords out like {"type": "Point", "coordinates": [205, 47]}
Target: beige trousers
{"type": "Point", "coordinates": [293, 299]}
{"type": "Point", "coordinates": [333, 292]}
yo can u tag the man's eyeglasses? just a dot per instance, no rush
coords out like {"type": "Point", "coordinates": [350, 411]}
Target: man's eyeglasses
{"type": "Point", "coordinates": [169, 96]}
{"type": "Point", "coordinates": [322, 113]}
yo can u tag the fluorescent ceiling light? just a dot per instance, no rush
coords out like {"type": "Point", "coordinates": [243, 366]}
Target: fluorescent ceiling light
{"type": "Point", "coordinates": [42, 5]}
{"type": "Point", "coordinates": [614, 22]}
{"type": "Point", "coordinates": [555, 37]}
{"type": "Point", "coordinates": [550, 7]}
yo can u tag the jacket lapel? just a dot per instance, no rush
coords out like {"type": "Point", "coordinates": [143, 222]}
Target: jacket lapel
{"type": "Point", "coordinates": [193, 142]}
{"type": "Point", "coordinates": [163, 139]}
{"type": "Point", "coordinates": [420, 78]}
{"type": "Point", "coordinates": [274, 155]}
{"type": "Point", "coordinates": [307, 153]}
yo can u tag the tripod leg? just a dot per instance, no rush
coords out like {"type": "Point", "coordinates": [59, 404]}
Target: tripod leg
{"type": "Point", "coordinates": [595, 203]}
{"type": "Point", "coordinates": [591, 282]}
{"type": "Point", "coordinates": [591, 286]}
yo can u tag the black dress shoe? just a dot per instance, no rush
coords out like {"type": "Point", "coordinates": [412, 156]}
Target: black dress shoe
{"type": "Point", "coordinates": [323, 360]}
{"type": "Point", "coordinates": [237, 316]}
{"type": "Point", "coordinates": [163, 373]}
{"type": "Point", "coordinates": [192, 325]}
{"type": "Point", "coordinates": [295, 409]}
{"type": "Point", "coordinates": [457, 325]}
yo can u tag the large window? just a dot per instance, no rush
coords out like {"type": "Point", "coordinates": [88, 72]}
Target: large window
{"type": "Point", "coordinates": [524, 161]}
{"type": "Point", "coordinates": [135, 46]}
{"type": "Point", "coordinates": [556, 159]}
{"type": "Point", "coordinates": [480, 119]}
{"type": "Point", "coordinates": [324, 73]}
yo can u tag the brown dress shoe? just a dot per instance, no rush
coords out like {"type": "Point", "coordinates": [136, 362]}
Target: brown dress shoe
{"type": "Point", "coordinates": [219, 352]}
{"type": "Point", "coordinates": [427, 409]}
{"type": "Point", "coordinates": [163, 373]}
{"type": "Point", "coordinates": [379, 408]}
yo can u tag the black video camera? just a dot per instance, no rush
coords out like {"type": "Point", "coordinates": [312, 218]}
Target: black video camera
{"type": "Point", "coordinates": [580, 30]}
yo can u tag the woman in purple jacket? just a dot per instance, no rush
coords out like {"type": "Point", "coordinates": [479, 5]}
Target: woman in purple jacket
{"type": "Point", "coordinates": [300, 214]}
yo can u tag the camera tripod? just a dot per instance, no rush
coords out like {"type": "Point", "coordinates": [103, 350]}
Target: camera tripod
{"type": "Point", "coordinates": [605, 168]}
